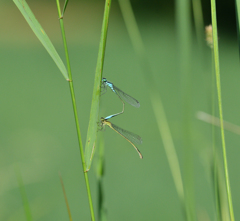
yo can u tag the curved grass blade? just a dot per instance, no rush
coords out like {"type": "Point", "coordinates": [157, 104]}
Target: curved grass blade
{"type": "Point", "coordinates": [64, 7]}
{"type": "Point", "coordinates": [158, 108]}
{"type": "Point", "coordinates": [102, 210]}
{"type": "Point", "coordinates": [94, 114]}
{"type": "Point", "coordinates": [41, 35]}
{"type": "Point", "coordinates": [65, 197]}
{"type": "Point", "coordinates": [23, 192]}
{"type": "Point", "coordinates": [237, 6]}
{"type": "Point", "coordinates": [220, 108]}
{"type": "Point", "coordinates": [71, 87]}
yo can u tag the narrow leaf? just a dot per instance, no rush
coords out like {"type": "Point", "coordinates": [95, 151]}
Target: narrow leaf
{"type": "Point", "coordinates": [41, 35]}
{"type": "Point", "coordinates": [64, 8]}
{"type": "Point", "coordinates": [65, 197]}
{"type": "Point", "coordinates": [237, 3]}
{"type": "Point", "coordinates": [25, 201]}
{"type": "Point", "coordinates": [94, 114]}
{"type": "Point", "coordinates": [220, 108]}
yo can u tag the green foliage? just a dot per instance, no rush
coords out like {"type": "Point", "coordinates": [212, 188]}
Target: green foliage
{"type": "Point", "coordinates": [220, 108]}
{"type": "Point", "coordinates": [37, 127]}
{"type": "Point", "coordinates": [41, 35]}
{"type": "Point", "coordinates": [94, 114]}
{"type": "Point", "coordinates": [25, 201]}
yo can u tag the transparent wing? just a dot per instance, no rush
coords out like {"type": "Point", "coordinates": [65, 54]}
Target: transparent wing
{"type": "Point", "coordinates": [126, 97]}
{"type": "Point", "coordinates": [103, 88]}
{"type": "Point", "coordinates": [128, 135]}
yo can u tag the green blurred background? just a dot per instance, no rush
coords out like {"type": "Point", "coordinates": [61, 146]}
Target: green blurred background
{"type": "Point", "coordinates": [37, 125]}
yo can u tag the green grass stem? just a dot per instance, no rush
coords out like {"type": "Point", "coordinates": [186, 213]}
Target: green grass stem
{"type": "Point", "coordinates": [75, 113]}
{"type": "Point", "coordinates": [237, 6]}
{"type": "Point", "coordinates": [198, 21]}
{"type": "Point", "coordinates": [215, 162]}
{"type": "Point", "coordinates": [218, 84]}
{"type": "Point", "coordinates": [184, 38]}
{"type": "Point", "coordinates": [158, 109]}
{"type": "Point", "coordinates": [94, 113]}
{"type": "Point", "coordinates": [168, 144]}
{"type": "Point", "coordinates": [64, 7]}
{"type": "Point", "coordinates": [65, 197]}
{"type": "Point", "coordinates": [220, 190]}
{"type": "Point", "coordinates": [102, 213]}
{"type": "Point", "coordinates": [41, 34]}
{"type": "Point", "coordinates": [23, 194]}
{"type": "Point", "coordinates": [216, 122]}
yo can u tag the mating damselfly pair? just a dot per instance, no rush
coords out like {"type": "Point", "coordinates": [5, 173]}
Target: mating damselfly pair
{"type": "Point", "coordinates": [129, 136]}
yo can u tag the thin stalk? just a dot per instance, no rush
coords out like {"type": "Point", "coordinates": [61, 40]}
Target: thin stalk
{"type": "Point", "coordinates": [198, 21]}
{"type": "Point", "coordinates": [208, 118]}
{"type": "Point", "coordinates": [65, 197]}
{"type": "Point", "coordinates": [237, 7]}
{"type": "Point", "coordinates": [75, 113]}
{"type": "Point", "coordinates": [94, 112]}
{"type": "Point", "coordinates": [25, 201]}
{"type": "Point", "coordinates": [184, 38]}
{"type": "Point", "coordinates": [158, 108]}
{"type": "Point", "coordinates": [215, 178]}
{"type": "Point", "coordinates": [218, 83]}
{"type": "Point", "coordinates": [102, 212]}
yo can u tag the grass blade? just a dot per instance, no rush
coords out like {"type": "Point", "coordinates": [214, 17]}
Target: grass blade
{"type": "Point", "coordinates": [184, 32]}
{"type": "Point", "coordinates": [218, 83]}
{"type": "Point", "coordinates": [102, 212]}
{"type": "Point", "coordinates": [216, 122]}
{"type": "Point", "coordinates": [94, 113]}
{"type": "Point", "coordinates": [64, 7]}
{"type": "Point", "coordinates": [41, 35]}
{"type": "Point", "coordinates": [209, 41]}
{"type": "Point", "coordinates": [65, 197]}
{"type": "Point", "coordinates": [162, 122]}
{"type": "Point", "coordinates": [23, 195]}
{"type": "Point", "coordinates": [75, 112]}
{"type": "Point", "coordinates": [198, 21]}
{"type": "Point", "coordinates": [217, 173]}
{"type": "Point", "coordinates": [237, 5]}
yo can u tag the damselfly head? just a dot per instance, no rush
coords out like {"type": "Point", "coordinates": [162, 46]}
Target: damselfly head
{"type": "Point", "coordinates": [100, 124]}
{"type": "Point", "coordinates": [103, 86]}
{"type": "Point", "coordinates": [103, 121]}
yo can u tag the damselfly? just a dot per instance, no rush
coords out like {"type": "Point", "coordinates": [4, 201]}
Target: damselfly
{"type": "Point", "coordinates": [129, 136]}
{"type": "Point", "coordinates": [122, 96]}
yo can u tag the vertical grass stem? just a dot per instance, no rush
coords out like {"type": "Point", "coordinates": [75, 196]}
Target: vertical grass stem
{"type": "Point", "coordinates": [218, 84]}
{"type": "Point", "coordinates": [75, 113]}
{"type": "Point", "coordinates": [158, 108]}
